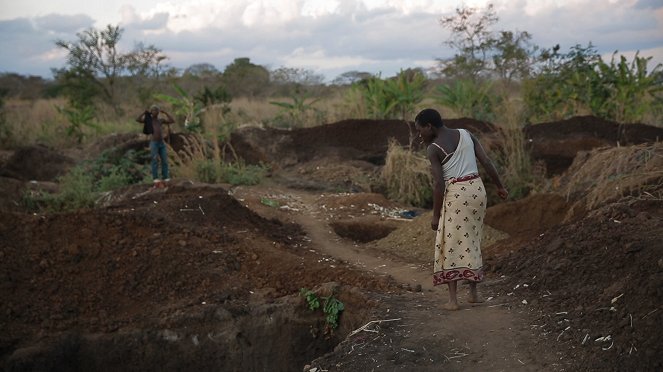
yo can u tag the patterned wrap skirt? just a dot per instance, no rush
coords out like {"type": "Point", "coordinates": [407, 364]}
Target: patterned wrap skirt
{"type": "Point", "coordinates": [460, 229]}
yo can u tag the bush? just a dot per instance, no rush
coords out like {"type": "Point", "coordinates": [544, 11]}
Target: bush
{"type": "Point", "coordinates": [238, 173]}
{"type": "Point", "coordinates": [116, 178]}
{"type": "Point", "coordinates": [76, 192]}
{"type": "Point", "coordinates": [82, 186]}
{"type": "Point", "coordinates": [207, 171]}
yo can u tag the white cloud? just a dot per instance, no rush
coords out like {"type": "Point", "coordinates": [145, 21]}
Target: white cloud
{"type": "Point", "coordinates": [325, 35]}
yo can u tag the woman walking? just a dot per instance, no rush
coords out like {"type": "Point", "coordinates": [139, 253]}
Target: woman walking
{"type": "Point", "coordinates": [459, 202]}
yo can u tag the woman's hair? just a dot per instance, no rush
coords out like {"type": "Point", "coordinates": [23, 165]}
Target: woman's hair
{"type": "Point", "coordinates": [429, 116]}
{"type": "Point", "coordinates": [155, 108]}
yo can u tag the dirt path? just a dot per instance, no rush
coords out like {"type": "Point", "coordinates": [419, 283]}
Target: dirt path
{"type": "Point", "coordinates": [490, 336]}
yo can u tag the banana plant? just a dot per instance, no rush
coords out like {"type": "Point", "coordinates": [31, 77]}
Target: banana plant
{"type": "Point", "coordinates": [468, 98]}
{"type": "Point", "coordinates": [296, 112]}
{"type": "Point", "coordinates": [407, 90]}
{"type": "Point", "coordinates": [187, 107]}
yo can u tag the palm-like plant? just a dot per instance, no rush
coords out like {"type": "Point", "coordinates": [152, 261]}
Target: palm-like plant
{"type": "Point", "coordinates": [468, 98]}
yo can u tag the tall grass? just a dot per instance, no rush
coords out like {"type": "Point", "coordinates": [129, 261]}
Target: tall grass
{"type": "Point", "coordinates": [518, 172]}
{"type": "Point", "coordinates": [407, 176]}
{"type": "Point", "coordinates": [39, 121]}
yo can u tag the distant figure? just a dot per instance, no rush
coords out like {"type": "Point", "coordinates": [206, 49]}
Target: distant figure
{"type": "Point", "coordinates": [459, 203]}
{"type": "Point", "coordinates": [154, 126]}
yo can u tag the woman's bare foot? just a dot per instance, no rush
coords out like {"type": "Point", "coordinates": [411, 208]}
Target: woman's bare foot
{"type": "Point", "coordinates": [475, 299]}
{"type": "Point", "coordinates": [452, 306]}
{"type": "Point", "coordinates": [474, 295]}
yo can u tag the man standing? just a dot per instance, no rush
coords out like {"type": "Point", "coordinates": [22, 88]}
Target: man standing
{"type": "Point", "coordinates": [158, 149]}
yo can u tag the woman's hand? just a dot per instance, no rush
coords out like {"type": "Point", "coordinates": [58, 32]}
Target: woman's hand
{"type": "Point", "coordinates": [503, 193]}
{"type": "Point", "coordinates": [434, 223]}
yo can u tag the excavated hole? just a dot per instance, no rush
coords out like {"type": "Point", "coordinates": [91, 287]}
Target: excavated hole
{"type": "Point", "coordinates": [361, 231]}
{"type": "Point", "coordinates": [282, 336]}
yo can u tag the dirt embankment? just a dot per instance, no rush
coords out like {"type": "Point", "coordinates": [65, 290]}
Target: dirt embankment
{"type": "Point", "coordinates": [193, 277]}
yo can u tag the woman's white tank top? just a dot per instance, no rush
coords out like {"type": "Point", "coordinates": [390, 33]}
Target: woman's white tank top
{"type": "Point", "coordinates": [462, 161]}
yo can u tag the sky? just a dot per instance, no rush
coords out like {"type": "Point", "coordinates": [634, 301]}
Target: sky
{"type": "Point", "coordinates": [328, 37]}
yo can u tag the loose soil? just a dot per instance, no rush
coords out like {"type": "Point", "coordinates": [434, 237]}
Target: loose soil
{"type": "Point", "coordinates": [207, 277]}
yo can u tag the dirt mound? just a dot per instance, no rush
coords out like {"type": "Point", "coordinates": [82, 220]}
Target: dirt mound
{"type": "Point", "coordinates": [332, 175]}
{"type": "Point", "coordinates": [557, 143]}
{"type": "Point", "coordinates": [341, 156]}
{"type": "Point", "coordinates": [163, 260]}
{"type": "Point", "coordinates": [595, 287]}
{"type": "Point", "coordinates": [365, 140]}
{"type": "Point", "coordinates": [529, 216]}
{"type": "Point", "coordinates": [39, 163]}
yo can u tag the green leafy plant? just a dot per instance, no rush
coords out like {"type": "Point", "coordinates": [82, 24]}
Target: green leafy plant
{"type": "Point", "coordinates": [185, 106]}
{"type": "Point", "coordinates": [297, 113]}
{"type": "Point", "coordinates": [207, 171]}
{"type": "Point", "coordinates": [269, 202]}
{"type": "Point", "coordinates": [312, 300]}
{"type": "Point", "coordinates": [76, 191]}
{"type": "Point", "coordinates": [394, 98]}
{"type": "Point", "coordinates": [468, 98]}
{"type": "Point", "coordinates": [580, 81]}
{"type": "Point", "coordinates": [79, 118]}
{"type": "Point", "coordinates": [83, 184]}
{"type": "Point", "coordinates": [239, 173]}
{"type": "Point", "coordinates": [331, 307]}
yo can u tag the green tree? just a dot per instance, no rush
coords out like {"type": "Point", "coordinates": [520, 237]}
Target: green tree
{"type": "Point", "coordinates": [297, 76]}
{"type": "Point", "coordinates": [563, 83]}
{"type": "Point", "coordinates": [202, 70]}
{"type": "Point", "coordinates": [351, 77]}
{"type": "Point", "coordinates": [473, 40]}
{"type": "Point", "coordinates": [514, 56]}
{"type": "Point", "coordinates": [243, 78]}
{"type": "Point", "coordinates": [625, 92]}
{"type": "Point", "coordinates": [482, 52]}
{"type": "Point", "coordinates": [94, 60]}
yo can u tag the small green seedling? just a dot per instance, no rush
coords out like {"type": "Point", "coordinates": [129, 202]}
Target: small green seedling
{"type": "Point", "coordinates": [332, 307]}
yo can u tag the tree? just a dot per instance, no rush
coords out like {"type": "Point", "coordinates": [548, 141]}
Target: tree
{"type": "Point", "coordinates": [481, 52]}
{"type": "Point", "coordinates": [514, 55]}
{"type": "Point", "coordinates": [243, 78]}
{"type": "Point", "coordinates": [295, 75]}
{"type": "Point", "coordinates": [94, 59]}
{"type": "Point", "coordinates": [580, 81]}
{"type": "Point", "coordinates": [351, 77]}
{"type": "Point", "coordinates": [471, 38]}
{"type": "Point", "coordinates": [202, 70]}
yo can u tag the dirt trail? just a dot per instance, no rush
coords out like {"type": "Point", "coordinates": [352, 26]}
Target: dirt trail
{"type": "Point", "coordinates": [489, 336]}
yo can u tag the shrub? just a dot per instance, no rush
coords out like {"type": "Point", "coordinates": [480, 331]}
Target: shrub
{"type": "Point", "coordinates": [81, 187]}
{"type": "Point", "coordinates": [76, 192]}
{"type": "Point", "coordinates": [207, 171]}
{"type": "Point", "coordinates": [238, 173]}
{"type": "Point", "coordinates": [116, 178]}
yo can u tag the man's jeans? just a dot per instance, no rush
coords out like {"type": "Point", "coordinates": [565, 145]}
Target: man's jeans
{"type": "Point", "coordinates": [158, 152]}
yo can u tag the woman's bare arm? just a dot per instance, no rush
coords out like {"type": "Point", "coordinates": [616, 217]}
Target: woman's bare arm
{"type": "Point", "coordinates": [489, 166]}
{"type": "Point", "coordinates": [438, 184]}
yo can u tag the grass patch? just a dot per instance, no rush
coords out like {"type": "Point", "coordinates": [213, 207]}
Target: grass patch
{"type": "Point", "coordinates": [239, 173]}
{"type": "Point", "coordinates": [83, 185]}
